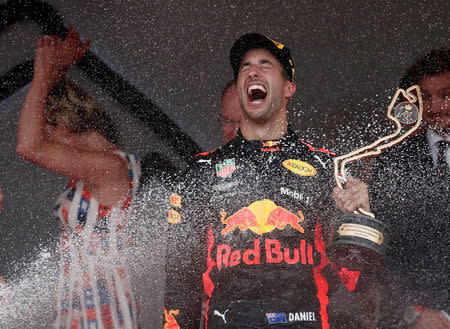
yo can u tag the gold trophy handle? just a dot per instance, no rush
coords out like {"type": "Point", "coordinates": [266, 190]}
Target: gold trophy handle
{"type": "Point", "coordinates": [388, 141]}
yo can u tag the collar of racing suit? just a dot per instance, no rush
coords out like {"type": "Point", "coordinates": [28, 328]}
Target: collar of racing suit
{"type": "Point", "coordinates": [252, 145]}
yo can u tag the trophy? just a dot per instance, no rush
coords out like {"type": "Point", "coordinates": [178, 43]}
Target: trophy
{"type": "Point", "coordinates": [358, 240]}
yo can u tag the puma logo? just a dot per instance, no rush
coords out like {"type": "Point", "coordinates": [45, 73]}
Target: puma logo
{"type": "Point", "coordinates": [324, 164]}
{"type": "Point", "coordinates": [208, 161]}
{"type": "Point", "coordinates": [216, 312]}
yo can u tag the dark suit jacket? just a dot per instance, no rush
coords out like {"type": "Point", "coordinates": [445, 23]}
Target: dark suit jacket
{"type": "Point", "coordinates": [407, 194]}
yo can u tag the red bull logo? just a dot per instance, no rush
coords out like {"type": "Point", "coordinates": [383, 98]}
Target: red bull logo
{"type": "Point", "coordinates": [279, 45]}
{"type": "Point", "coordinates": [273, 252]}
{"type": "Point", "coordinates": [270, 146]}
{"type": "Point", "coordinates": [171, 322]}
{"type": "Point", "coordinates": [262, 217]}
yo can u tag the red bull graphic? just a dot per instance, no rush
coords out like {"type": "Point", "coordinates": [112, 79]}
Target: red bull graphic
{"type": "Point", "coordinates": [175, 200]}
{"type": "Point", "coordinates": [270, 146]}
{"type": "Point", "coordinates": [279, 45]}
{"type": "Point", "coordinates": [267, 251]}
{"type": "Point", "coordinates": [173, 216]}
{"type": "Point", "coordinates": [171, 322]}
{"type": "Point", "coordinates": [262, 217]}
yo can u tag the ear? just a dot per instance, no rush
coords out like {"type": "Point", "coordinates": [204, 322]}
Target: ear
{"type": "Point", "coordinates": [290, 89]}
{"type": "Point", "coordinates": [62, 125]}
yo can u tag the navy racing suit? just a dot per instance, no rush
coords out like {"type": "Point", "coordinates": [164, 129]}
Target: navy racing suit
{"type": "Point", "coordinates": [245, 241]}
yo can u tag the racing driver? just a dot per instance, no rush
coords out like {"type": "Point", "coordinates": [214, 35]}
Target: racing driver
{"type": "Point", "coordinates": [246, 246]}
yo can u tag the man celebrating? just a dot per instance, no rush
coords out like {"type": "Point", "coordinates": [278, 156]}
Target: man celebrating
{"type": "Point", "coordinates": [410, 192]}
{"type": "Point", "coordinates": [246, 247]}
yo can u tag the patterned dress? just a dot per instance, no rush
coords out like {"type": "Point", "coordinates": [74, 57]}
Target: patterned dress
{"type": "Point", "coordinates": [94, 288]}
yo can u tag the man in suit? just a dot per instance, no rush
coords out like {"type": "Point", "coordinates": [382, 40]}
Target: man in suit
{"type": "Point", "coordinates": [231, 112]}
{"type": "Point", "coordinates": [410, 192]}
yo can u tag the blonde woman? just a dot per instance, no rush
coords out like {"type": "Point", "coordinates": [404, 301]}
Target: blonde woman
{"type": "Point", "coordinates": [63, 129]}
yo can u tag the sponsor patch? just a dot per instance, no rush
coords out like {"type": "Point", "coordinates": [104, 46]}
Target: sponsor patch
{"type": "Point", "coordinates": [173, 216]}
{"type": "Point", "coordinates": [175, 200]}
{"type": "Point", "coordinates": [270, 146]}
{"type": "Point", "coordinates": [295, 195]}
{"type": "Point", "coordinates": [262, 217]}
{"type": "Point", "coordinates": [226, 168]}
{"type": "Point", "coordinates": [299, 167]}
{"type": "Point", "coordinates": [274, 318]}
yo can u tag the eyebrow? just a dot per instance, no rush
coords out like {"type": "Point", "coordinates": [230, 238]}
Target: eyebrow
{"type": "Point", "coordinates": [260, 61]}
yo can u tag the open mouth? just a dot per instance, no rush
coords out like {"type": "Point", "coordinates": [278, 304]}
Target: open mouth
{"type": "Point", "coordinates": [256, 94]}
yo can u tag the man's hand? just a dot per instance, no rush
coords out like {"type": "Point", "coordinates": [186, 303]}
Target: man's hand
{"type": "Point", "coordinates": [55, 56]}
{"type": "Point", "coordinates": [430, 318]}
{"type": "Point", "coordinates": [354, 196]}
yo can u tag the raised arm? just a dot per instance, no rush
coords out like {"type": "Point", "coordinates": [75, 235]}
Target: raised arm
{"type": "Point", "coordinates": [86, 156]}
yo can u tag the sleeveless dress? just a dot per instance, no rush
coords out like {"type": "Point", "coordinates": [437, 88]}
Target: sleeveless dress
{"type": "Point", "coordinates": [94, 289]}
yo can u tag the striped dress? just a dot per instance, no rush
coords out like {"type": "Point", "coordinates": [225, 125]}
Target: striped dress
{"type": "Point", "coordinates": [94, 288]}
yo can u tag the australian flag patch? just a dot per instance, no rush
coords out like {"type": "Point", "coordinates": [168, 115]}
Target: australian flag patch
{"type": "Point", "coordinates": [276, 318]}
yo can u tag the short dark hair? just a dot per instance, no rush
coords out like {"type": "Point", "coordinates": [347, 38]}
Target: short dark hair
{"type": "Point", "coordinates": [434, 62]}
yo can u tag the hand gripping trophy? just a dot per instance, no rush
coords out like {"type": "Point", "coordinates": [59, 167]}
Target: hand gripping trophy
{"type": "Point", "coordinates": [358, 240]}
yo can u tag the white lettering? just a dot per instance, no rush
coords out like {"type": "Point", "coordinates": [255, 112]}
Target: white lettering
{"type": "Point", "coordinates": [302, 316]}
{"type": "Point", "coordinates": [208, 161]}
{"type": "Point", "coordinates": [295, 195]}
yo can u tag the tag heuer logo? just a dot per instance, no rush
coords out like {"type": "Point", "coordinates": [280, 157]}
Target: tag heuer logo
{"type": "Point", "coordinates": [225, 168]}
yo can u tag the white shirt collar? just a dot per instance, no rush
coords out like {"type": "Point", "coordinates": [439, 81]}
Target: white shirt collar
{"type": "Point", "coordinates": [433, 137]}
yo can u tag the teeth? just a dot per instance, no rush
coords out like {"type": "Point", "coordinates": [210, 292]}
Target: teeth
{"type": "Point", "coordinates": [258, 87]}
{"type": "Point", "coordinates": [257, 101]}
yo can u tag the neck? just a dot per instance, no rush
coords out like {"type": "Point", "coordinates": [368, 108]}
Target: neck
{"type": "Point", "coordinates": [263, 131]}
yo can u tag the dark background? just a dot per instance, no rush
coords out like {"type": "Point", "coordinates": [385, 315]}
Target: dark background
{"type": "Point", "coordinates": [173, 56]}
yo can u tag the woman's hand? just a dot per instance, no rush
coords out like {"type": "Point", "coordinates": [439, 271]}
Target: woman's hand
{"type": "Point", "coordinates": [55, 56]}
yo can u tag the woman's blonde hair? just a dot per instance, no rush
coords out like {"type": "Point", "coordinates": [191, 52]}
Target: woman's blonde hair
{"type": "Point", "coordinates": [79, 111]}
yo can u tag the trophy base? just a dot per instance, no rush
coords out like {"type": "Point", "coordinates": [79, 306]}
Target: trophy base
{"type": "Point", "coordinates": [358, 243]}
